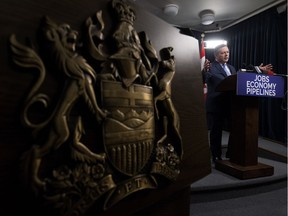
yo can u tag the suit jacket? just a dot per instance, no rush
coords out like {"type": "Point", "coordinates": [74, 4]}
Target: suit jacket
{"type": "Point", "coordinates": [217, 101]}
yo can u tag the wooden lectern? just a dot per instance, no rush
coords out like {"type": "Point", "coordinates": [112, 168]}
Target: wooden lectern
{"type": "Point", "coordinates": [243, 140]}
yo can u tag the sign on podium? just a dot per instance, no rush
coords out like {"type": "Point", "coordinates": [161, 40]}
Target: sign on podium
{"type": "Point", "coordinates": [259, 85]}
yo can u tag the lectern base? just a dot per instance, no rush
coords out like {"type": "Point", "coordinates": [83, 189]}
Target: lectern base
{"type": "Point", "coordinates": [244, 172]}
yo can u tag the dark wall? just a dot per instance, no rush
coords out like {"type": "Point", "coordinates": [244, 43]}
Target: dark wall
{"type": "Point", "coordinates": [22, 18]}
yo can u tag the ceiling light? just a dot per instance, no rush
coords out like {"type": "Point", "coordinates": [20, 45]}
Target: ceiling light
{"type": "Point", "coordinates": [211, 44]}
{"type": "Point", "coordinates": [207, 17]}
{"type": "Point", "coordinates": [171, 9]}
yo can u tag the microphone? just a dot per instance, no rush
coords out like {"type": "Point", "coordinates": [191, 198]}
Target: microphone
{"type": "Point", "coordinates": [253, 68]}
{"type": "Point", "coordinates": [243, 65]}
{"type": "Point", "coordinates": [245, 68]}
{"type": "Point", "coordinates": [250, 67]}
{"type": "Point", "coordinates": [257, 69]}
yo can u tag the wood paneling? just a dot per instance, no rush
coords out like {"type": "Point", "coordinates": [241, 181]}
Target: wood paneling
{"type": "Point", "coordinates": [22, 18]}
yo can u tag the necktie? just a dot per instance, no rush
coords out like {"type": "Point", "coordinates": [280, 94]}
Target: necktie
{"type": "Point", "coordinates": [226, 70]}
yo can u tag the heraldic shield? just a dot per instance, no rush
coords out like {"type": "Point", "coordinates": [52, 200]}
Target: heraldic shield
{"type": "Point", "coordinates": [110, 121]}
{"type": "Point", "coordinates": [128, 130]}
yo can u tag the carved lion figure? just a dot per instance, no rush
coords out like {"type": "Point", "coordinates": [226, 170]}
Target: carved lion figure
{"type": "Point", "coordinates": [78, 77]}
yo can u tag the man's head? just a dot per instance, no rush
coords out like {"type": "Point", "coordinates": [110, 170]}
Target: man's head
{"type": "Point", "coordinates": [221, 53]}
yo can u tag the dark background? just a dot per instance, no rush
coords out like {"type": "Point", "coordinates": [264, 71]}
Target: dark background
{"type": "Point", "coordinates": [259, 39]}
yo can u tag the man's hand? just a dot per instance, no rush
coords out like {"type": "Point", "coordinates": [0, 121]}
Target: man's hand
{"type": "Point", "coordinates": [206, 65]}
{"type": "Point", "coordinates": [266, 68]}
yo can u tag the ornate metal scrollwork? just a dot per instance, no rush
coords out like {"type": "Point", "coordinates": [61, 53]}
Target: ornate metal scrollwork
{"type": "Point", "coordinates": [111, 129]}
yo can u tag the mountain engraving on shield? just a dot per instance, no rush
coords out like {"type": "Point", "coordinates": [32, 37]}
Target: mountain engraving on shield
{"type": "Point", "coordinates": [129, 129]}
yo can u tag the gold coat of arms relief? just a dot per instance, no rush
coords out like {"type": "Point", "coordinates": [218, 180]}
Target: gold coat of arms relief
{"type": "Point", "coordinates": [111, 128]}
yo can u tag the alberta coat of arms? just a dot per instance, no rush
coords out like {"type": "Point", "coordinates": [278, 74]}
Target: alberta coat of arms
{"type": "Point", "coordinates": [107, 127]}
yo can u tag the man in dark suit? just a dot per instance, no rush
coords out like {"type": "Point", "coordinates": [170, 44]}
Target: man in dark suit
{"type": "Point", "coordinates": [217, 103]}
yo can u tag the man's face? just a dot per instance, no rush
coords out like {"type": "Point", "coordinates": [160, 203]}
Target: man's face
{"type": "Point", "coordinates": [223, 55]}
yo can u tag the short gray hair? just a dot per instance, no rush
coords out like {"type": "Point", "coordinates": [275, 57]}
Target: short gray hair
{"type": "Point", "coordinates": [218, 47]}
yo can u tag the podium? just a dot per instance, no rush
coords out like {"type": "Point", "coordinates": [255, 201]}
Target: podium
{"type": "Point", "coordinates": [243, 139]}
